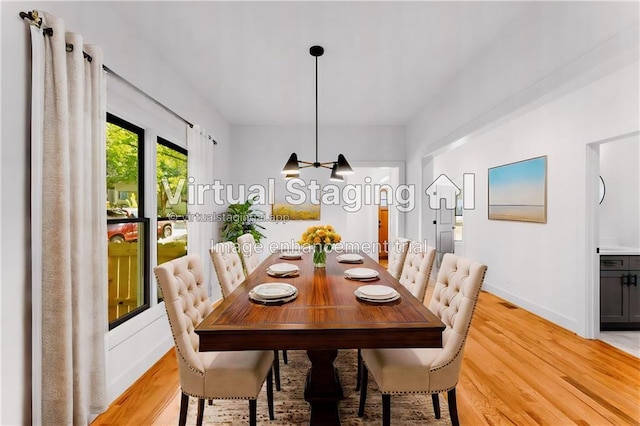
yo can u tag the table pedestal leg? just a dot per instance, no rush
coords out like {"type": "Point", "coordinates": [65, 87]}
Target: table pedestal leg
{"type": "Point", "coordinates": [323, 389]}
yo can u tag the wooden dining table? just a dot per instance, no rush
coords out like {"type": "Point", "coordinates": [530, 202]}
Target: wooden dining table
{"type": "Point", "coordinates": [326, 316]}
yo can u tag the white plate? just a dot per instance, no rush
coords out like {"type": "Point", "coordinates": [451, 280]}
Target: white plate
{"type": "Point", "coordinates": [285, 275]}
{"type": "Point", "coordinates": [350, 257]}
{"type": "Point", "coordinates": [283, 268]}
{"type": "Point", "coordinates": [254, 297]}
{"type": "Point", "coordinates": [377, 291]}
{"type": "Point", "coordinates": [270, 291]}
{"type": "Point", "coordinates": [291, 255]}
{"type": "Point", "coordinates": [361, 273]}
{"type": "Point", "coordinates": [360, 296]}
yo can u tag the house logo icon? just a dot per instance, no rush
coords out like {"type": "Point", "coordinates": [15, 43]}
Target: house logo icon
{"type": "Point", "coordinates": [443, 187]}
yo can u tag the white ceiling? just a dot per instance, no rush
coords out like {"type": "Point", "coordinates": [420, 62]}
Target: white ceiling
{"type": "Point", "coordinates": [383, 61]}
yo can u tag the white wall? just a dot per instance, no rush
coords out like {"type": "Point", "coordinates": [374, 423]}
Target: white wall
{"type": "Point", "coordinates": [620, 209]}
{"type": "Point", "coordinates": [542, 267]}
{"type": "Point", "coordinates": [262, 151]}
{"type": "Point", "coordinates": [127, 54]}
{"type": "Point", "coordinates": [518, 69]}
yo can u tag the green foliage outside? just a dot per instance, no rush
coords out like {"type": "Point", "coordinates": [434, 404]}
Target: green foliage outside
{"type": "Point", "coordinates": [122, 156]}
{"type": "Point", "coordinates": [172, 166]}
{"type": "Point", "coordinates": [122, 167]}
{"type": "Point", "coordinates": [242, 219]}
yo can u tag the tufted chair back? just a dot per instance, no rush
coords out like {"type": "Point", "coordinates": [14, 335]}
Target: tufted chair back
{"type": "Point", "coordinates": [416, 269]}
{"type": "Point", "coordinates": [247, 247]}
{"type": "Point", "coordinates": [187, 303]}
{"type": "Point", "coordinates": [454, 301]}
{"type": "Point", "coordinates": [228, 266]}
{"type": "Point", "coordinates": [397, 254]}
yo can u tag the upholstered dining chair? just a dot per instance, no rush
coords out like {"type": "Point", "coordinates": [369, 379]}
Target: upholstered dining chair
{"type": "Point", "coordinates": [248, 254]}
{"type": "Point", "coordinates": [430, 370]}
{"type": "Point", "coordinates": [397, 254]}
{"type": "Point", "coordinates": [228, 267]}
{"type": "Point", "coordinates": [416, 270]}
{"type": "Point", "coordinates": [207, 375]}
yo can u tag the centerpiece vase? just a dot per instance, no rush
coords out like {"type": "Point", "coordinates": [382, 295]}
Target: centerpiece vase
{"type": "Point", "coordinates": [319, 256]}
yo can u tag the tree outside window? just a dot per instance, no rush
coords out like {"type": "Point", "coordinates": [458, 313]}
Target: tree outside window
{"type": "Point", "coordinates": [171, 190]}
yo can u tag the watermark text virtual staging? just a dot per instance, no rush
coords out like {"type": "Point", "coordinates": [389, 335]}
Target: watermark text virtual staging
{"type": "Point", "coordinates": [352, 197]}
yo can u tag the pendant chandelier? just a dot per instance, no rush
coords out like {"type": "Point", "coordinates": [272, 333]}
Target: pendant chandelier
{"type": "Point", "coordinates": [338, 168]}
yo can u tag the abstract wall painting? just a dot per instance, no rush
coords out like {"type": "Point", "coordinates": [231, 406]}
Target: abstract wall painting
{"type": "Point", "coordinates": [518, 191]}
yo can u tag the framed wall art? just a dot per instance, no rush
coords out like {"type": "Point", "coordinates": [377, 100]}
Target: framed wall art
{"type": "Point", "coordinates": [299, 209]}
{"type": "Point", "coordinates": [518, 191]}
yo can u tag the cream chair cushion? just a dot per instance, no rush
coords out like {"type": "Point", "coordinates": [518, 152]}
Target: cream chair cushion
{"type": "Point", "coordinates": [417, 269]}
{"type": "Point", "coordinates": [235, 374]}
{"type": "Point", "coordinates": [397, 254]}
{"type": "Point", "coordinates": [431, 370]}
{"type": "Point", "coordinates": [228, 266]}
{"type": "Point", "coordinates": [247, 248]}
{"type": "Point", "coordinates": [206, 375]}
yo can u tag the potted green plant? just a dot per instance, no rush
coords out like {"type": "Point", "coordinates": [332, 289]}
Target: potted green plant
{"type": "Point", "coordinates": [240, 219]}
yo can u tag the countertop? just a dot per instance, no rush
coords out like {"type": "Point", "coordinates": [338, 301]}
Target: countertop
{"type": "Point", "coordinates": [619, 251]}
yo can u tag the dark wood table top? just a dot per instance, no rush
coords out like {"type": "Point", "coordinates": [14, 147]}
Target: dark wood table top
{"type": "Point", "coordinates": [325, 315]}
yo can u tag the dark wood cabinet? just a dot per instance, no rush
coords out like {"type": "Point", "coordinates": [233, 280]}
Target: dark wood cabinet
{"type": "Point", "coordinates": [619, 293]}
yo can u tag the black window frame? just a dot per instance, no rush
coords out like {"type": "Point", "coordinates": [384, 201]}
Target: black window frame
{"type": "Point", "coordinates": [164, 142]}
{"type": "Point", "coordinates": [141, 219]}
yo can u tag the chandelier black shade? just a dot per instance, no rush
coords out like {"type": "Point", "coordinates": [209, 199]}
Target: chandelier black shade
{"type": "Point", "coordinates": [338, 168]}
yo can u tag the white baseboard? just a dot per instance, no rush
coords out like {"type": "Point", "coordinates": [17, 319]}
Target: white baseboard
{"type": "Point", "coordinates": [138, 367]}
{"type": "Point", "coordinates": [554, 317]}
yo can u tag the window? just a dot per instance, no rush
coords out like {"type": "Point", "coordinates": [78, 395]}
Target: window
{"type": "Point", "coordinates": [171, 189]}
{"type": "Point", "coordinates": [127, 225]}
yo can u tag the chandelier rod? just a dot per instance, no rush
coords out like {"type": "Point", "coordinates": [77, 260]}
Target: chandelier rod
{"type": "Point", "coordinates": [317, 109]}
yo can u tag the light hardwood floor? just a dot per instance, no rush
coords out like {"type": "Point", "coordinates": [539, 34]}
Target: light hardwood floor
{"type": "Point", "coordinates": [518, 369]}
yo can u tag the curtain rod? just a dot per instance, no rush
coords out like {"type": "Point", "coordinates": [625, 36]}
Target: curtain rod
{"type": "Point", "coordinates": [37, 21]}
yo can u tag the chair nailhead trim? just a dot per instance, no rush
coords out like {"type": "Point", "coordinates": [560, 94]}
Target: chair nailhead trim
{"type": "Point", "coordinates": [208, 397]}
{"type": "Point", "coordinates": [175, 341]}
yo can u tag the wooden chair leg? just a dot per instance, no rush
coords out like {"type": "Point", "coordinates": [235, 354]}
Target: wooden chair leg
{"type": "Point", "coordinates": [436, 404]}
{"type": "Point", "coordinates": [363, 389]}
{"type": "Point", "coordinates": [284, 357]}
{"type": "Point", "coordinates": [200, 412]}
{"type": "Point", "coordinates": [276, 368]}
{"type": "Point", "coordinates": [386, 410]}
{"type": "Point", "coordinates": [270, 394]}
{"type": "Point", "coordinates": [453, 407]}
{"type": "Point", "coordinates": [184, 405]}
{"type": "Point", "coordinates": [359, 374]}
{"type": "Point", "coordinates": [253, 412]}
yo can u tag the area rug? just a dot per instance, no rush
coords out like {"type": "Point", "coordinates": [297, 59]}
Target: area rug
{"type": "Point", "coordinates": [291, 408]}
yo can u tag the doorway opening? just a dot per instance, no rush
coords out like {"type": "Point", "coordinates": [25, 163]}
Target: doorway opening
{"type": "Point", "coordinates": [613, 228]}
{"type": "Point", "coordinates": [383, 224]}
{"type": "Point", "coordinates": [380, 206]}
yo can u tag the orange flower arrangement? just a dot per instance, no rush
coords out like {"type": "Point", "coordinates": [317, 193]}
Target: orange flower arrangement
{"type": "Point", "coordinates": [322, 238]}
{"type": "Point", "coordinates": [324, 235]}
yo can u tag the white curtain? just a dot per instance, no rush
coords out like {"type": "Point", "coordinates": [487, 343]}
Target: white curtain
{"type": "Point", "coordinates": [69, 226]}
{"type": "Point", "coordinates": [201, 226]}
